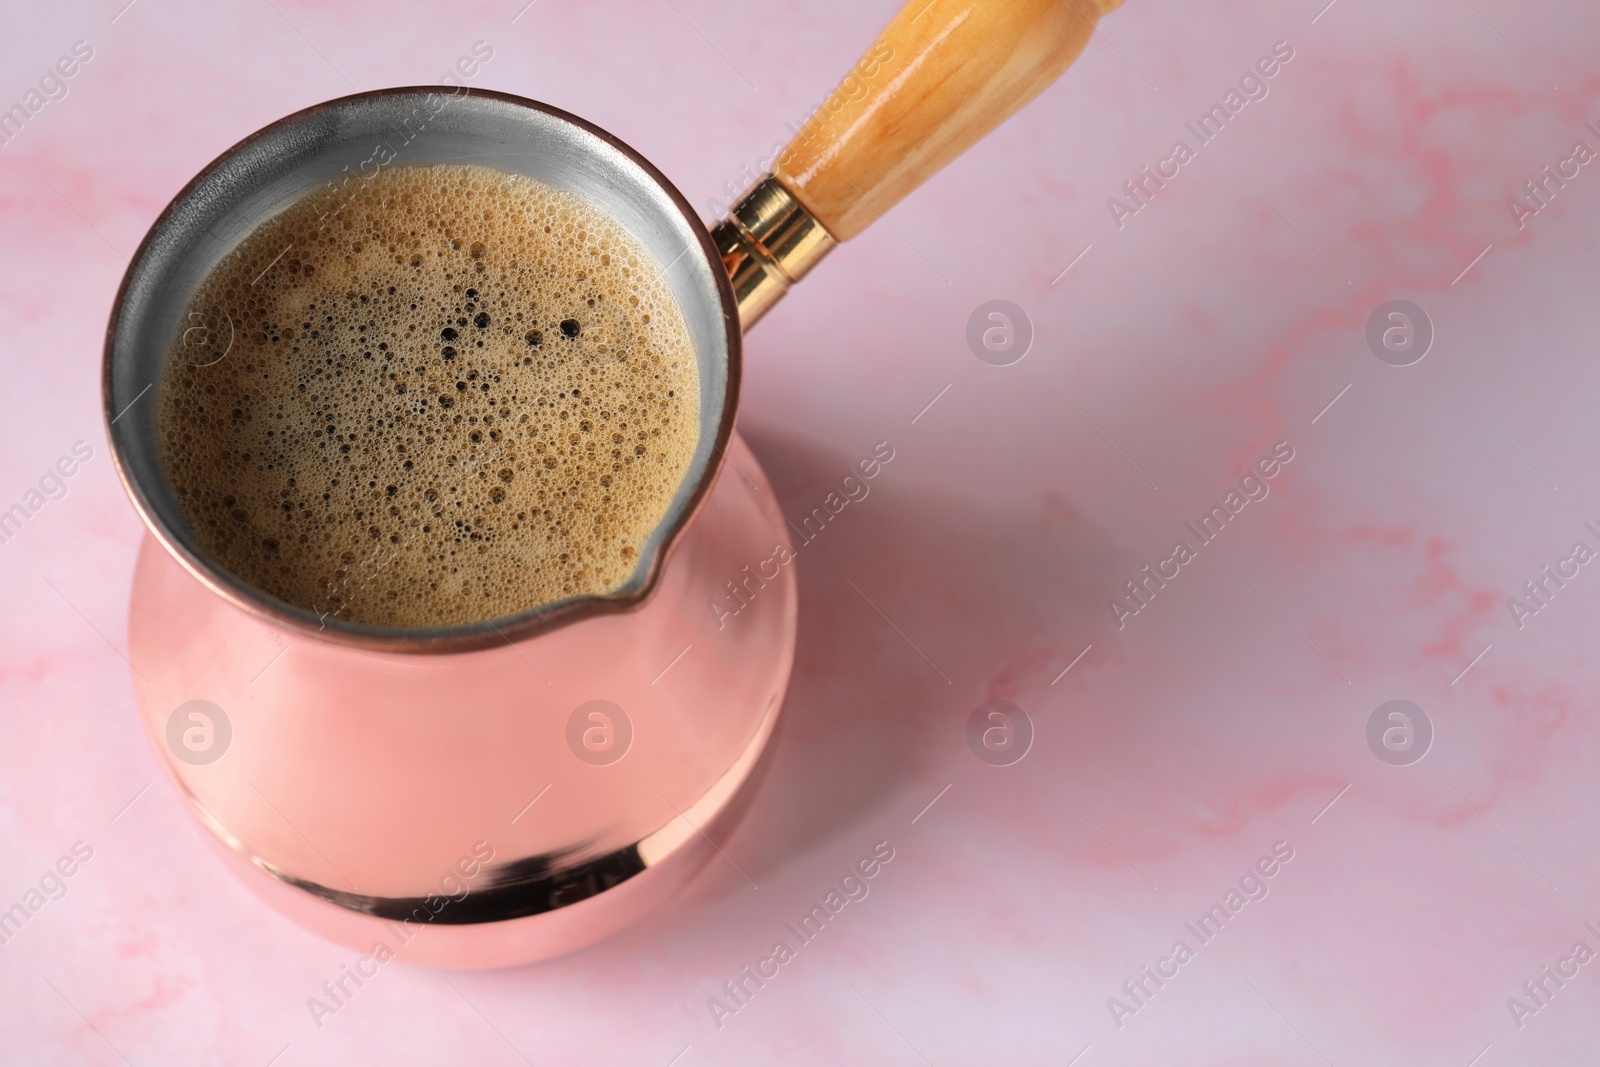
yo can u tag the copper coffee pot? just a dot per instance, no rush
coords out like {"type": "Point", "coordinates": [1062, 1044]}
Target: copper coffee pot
{"type": "Point", "coordinates": [513, 789]}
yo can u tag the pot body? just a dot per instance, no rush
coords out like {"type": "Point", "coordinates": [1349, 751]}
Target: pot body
{"type": "Point", "coordinates": [483, 808]}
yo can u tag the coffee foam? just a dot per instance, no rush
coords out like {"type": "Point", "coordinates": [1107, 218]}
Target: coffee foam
{"type": "Point", "coordinates": [464, 395]}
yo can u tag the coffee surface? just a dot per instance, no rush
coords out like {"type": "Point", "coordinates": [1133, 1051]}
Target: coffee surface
{"type": "Point", "coordinates": [448, 395]}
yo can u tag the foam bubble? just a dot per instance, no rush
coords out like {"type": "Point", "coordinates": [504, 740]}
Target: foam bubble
{"type": "Point", "coordinates": [463, 395]}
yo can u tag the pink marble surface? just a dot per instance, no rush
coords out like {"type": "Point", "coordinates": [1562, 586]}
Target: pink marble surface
{"type": "Point", "coordinates": [1225, 717]}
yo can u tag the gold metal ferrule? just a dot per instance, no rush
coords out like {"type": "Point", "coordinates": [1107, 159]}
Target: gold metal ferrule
{"type": "Point", "coordinates": [768, 242]}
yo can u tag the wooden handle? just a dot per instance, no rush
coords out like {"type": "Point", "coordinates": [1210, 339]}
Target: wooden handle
{"type": "Point", "coordinates": [939, 77]}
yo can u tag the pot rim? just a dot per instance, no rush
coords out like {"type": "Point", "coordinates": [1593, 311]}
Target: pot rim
{"type": "Point", "coordinates": [484, 633]}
